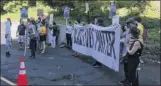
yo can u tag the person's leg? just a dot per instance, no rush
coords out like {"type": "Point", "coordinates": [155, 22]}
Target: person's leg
{"type": "Point", "coordinates": [97, 64]}
{"type": "Point", "coordinates": [34, 48]}
{"type": "Point", "coordinates": [132, 65]}
{"type": "Point", "coordinates": [31, 48]}
{"type": "Point", "coordinates": [43, 45]}
{"type": "Point", "coordinates": [67, 38]}
{"type": "Point", "coordinates": [23, 41]}
{"type": "Point", "coordinates": [7, 48]}
{"type": "Point", "coordinates": [70, 40]}
{"type": "Point", "coordinates": [125, 73]}
{"type": "Point", "coordinates": [19, 40]}
{"type": "Point", "coordinates": [56, 40]}
{"type": "Point", "coordinates": [28, 42]}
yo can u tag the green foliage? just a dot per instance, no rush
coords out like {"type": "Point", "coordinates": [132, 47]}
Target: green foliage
{"type": "Point", "coordinates": [14, 6]}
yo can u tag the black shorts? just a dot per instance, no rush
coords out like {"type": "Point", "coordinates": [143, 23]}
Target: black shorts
{"type": "Point", "coordinates": [42, 38]}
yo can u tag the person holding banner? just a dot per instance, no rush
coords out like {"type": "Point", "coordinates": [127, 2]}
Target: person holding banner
{"type": "Point", "coordinates": [99, 22]}
{"type": "Point", "coordinates": [55, 34]}
{"type": "Point", "coordinates": [132, 58]}
{"type": "Point", "coordinates": [78, 22]}
{"type": "Point", "coordinates": [55, 31]}
{"type": "Point", "coordinates": [69, 30]}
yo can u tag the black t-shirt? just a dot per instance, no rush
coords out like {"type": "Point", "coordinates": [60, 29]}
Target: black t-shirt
{"type": "Point", "coordinates": [21, 29]}
{"type": "Point", "coordinates": [55, 30]}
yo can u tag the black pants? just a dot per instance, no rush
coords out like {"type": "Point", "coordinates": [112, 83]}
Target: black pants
{"type": "Point", "coordinates": [130, 71]}
{"type": "Point", "coordinates": [57, 39]}
{"type": "Point", "coordinates": [69, 39]}
{"type": "Point", "coordinates": [33, 44]}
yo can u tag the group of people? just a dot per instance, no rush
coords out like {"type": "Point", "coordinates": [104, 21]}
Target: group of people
{"type": "Point", "coordinates": [133, 35]}
{"type": "Point", "coordinates": [33, 34]}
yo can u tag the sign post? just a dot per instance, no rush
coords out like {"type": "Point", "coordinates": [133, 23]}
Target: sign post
{"type": "Point", "coordinates": [24, 12]}
{"type": "Point", "coordinates": [87, 10]}
{"type": "Point", "coordinates": [66, 14]}
{"type": "Point", "coordinates": [40, 13]}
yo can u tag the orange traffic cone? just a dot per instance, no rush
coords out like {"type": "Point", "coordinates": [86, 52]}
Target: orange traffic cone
{"type": "Point", "coordinates": [22, 77]}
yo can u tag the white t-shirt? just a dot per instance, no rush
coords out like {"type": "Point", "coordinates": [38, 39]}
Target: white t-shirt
{"type": "Point", "coordinates": [115, 20]}
{"type": "Point", "coordinates": [8, 27]}
{"type": "Point", "coordinates": [69, 29]}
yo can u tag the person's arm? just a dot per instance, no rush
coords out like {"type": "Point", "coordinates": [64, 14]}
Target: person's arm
{"type": "Point", "coordinates": [136, 46]}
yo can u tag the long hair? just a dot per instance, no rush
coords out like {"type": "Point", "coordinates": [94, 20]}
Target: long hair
{"type": "Point", "coordinates": [134, 32]}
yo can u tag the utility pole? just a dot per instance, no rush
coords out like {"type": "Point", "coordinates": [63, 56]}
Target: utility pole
{"type": "Point", "coordinates": [87, 10]}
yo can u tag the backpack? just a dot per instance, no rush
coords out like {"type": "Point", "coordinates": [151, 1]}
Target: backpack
{"type": "Point", "coordinates": [43, 30]}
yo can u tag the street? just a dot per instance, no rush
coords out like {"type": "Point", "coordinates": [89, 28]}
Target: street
{"type": "Point", "coordinates": [58, 67]}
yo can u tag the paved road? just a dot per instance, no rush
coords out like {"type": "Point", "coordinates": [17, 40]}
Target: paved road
{"type": "Point", "coordinates": [4, 83]}
{"type": "Point", "coordinates": [58, 67]}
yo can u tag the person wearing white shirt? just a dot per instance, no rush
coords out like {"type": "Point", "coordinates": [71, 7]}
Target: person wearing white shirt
{"type": "Point", "coordinates": [77, 23]}
{"type": "Point", "coordinates": [8, 36]}
{"type": "Point", "coordinates": [69, 30]}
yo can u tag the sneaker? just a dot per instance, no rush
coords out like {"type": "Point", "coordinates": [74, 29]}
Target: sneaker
{"type": "Point", "coordinates": [31, 57]}
{"type": "Point", "coordinates": [62, 46]}
{"type": "Point", "coordinates": [8, 54]}
{"type": "Point", "coordinates": [127, 84]}
{"type": "Point", "coordinates": [141, 61]}
{"type": "Point", "coordinates": [138, 68]}
{"type": "Point", "coordinates": [42, 52]}
{"type": "Point", "coordinates": [96, 66]}
{"type": "Point", "coordinates": [122, 82]}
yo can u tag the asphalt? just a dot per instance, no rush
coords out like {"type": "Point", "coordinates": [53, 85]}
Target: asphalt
{"type": "Point", "coordinates": [58, 67]}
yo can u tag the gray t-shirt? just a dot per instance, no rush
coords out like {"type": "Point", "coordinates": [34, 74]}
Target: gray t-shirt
{"type": "Point", "coordinates": [32, 32]}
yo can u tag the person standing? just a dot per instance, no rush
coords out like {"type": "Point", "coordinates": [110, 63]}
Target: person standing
{"type": "Point", "coordinates": [27, 24]}
{"type": "Point", "coordinates": [99, 22]}
{"type": "Point", "coordinates": [134, 50]}
{"type": "Point", "coordinates": [78, 22]}
{"type": "Point", "coordinates": [21, 34]}
{"type": "Point", "coordinates": [43, 34]}
{"type": "Point", "coordinates": [8, 25]}
{"type": "Point", "coordinates": [38, 32]}
{"type": "Point", "coordinates": [33, 38]}
{"type": "Point", "coordinates": [55, 31]}
{"type": "Point", "coordinates": [69, 30]}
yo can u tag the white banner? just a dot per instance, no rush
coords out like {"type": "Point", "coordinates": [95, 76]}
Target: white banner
{"type": "Point", "coordinates": [102, 43]}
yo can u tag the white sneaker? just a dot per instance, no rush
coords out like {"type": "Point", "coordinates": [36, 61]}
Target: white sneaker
{"type": "Point", "coordinates": [138, 68]}
{"type": "Point", "coordinates": [141, 61]}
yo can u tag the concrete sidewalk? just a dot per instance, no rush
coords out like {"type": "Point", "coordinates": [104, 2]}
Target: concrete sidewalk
{"type": "Point", "coordinates": [58, 67]}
